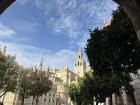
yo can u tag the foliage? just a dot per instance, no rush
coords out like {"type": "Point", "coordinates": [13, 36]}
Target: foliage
{"type": "Point", "coordinates": [90, 89]}
{"type": "Point", "coordinates": [16, 78]}
{"type": "Point", "coordinates": [8, 73]}
{"type": "Point", "coordinates": [24, 84]}
{"type": "Point", "coordinates": [40, 84]}
{"type": "Point", "coordinates": [113, 53]}
{"type": "Point", "coordinates": [33, 84]}
{"type": "Point", "coordinates": [75, 94]}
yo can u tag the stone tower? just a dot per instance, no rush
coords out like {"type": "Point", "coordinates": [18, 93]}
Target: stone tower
{"type": "Point", "coordinates": [80, 64]}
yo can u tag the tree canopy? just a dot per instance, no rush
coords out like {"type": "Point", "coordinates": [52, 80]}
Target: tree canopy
{"type": "Point", "coordinates": [40, 84]}
{"type": "Point", "coordinates": [114, 48]}
{"type": "Point", "coordinates": [25, 81]}
{"type": "Point", "coordinates": [8, 73]}
{"type": "Point", "coordinates": [32, 83]}
{"type": "Point", "coordinates": [113, 53]}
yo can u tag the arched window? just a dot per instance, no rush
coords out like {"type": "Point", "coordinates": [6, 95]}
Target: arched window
{"type": "Point", "coordinates": [79, 56]}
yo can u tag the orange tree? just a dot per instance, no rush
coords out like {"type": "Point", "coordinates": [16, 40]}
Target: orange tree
{"type": "Point", "coordinates": [114, 52]}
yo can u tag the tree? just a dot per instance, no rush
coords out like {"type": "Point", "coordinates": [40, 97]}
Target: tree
{"type": "Point", "coordinates": [132, 8]}
{"type": "Point", "coordinates": [40, 84]}
{"type": "Point", "coordinates": [74, 94]}
{"type": "Point", "coordinates": [90, 89]}
{"type": "Point", "coordinates": [24, 85]}
{"type": "Point", "coordinates": [33, 84]}
{"type": "Point", "coordinates": [8, 73]}
{"type": "Point", "coordinates": [114, 51]}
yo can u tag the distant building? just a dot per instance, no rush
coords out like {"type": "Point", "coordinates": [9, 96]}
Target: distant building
{"type": "Point", "coordinates": [61, 80]}
{"type": "Point", "coordinates": [80, 64]}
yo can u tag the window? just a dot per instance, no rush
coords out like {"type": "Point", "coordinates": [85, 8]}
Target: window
{"type": "Point", "coordinates": [49, 100]}
{"type": "Point", "coordinates": [53, 101]}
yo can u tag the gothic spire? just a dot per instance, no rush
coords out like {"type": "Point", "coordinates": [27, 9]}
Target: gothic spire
{"type": "Point", "coordinates": [4, 49]}
{"type": "Point", "coordinates": [41, 64]}
{"type": "Point", "coordinates": [80, 54]}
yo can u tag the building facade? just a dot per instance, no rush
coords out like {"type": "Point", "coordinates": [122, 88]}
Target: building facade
{"type": "Point", "coordinates": [61, 79]}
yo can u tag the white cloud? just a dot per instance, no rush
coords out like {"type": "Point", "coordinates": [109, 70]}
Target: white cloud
{"type": "Point", "coordinates": [61, 58]}
{"type": "Point", "coordinates": [70, 16]}
{"type": "Point", "coordinates": [66, 17]}
{"type": "Point", "coordinates": [83, 41]}
{"type": "Point", "coordinates": [66, 24]}
{"type": "Point", "coordinates": [6, 31]}
{"type": "Point", "coordinates": [22, 1]}
{"type": "Point", "coordinates": [24, 26]}
{"type": "Point", "coordinates": [29, 56]}
{"type": "Point", "coordinates": [74, 15]}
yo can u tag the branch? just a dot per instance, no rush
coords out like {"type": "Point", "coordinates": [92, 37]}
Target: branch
{"type": "Point", "coordinates": [2, 94]}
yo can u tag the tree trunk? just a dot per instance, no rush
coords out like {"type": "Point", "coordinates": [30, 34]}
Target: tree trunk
{"type": "Point", "coordinates": [119, 100]}
{"type": "Point", "coordinates": [22, 101]}
{"type": "Point", "coordinates": [134, 100]}
{"type": "Point", "coordinates": [3, 98]}
{"type": "Point", "coordinates": [37, 100]}
{"type": "Point", "coordinates": [2, 94]}
{"type": "Point", "coordinates": [110, 100]}
{"type": "Point", "coordinates": [33, 100]}
{"type": "Point", "coordinates": [132, 8]}
{"type": "Point", "coordinates": [131, 95]}
{"type": "Point", "coordinates": [97, 103]}
{"type": "Point", "coordinates": [23, 97]}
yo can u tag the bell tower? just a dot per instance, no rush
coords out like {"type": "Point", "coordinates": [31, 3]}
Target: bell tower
{"type": "Point", "coordinates": [80, 64]}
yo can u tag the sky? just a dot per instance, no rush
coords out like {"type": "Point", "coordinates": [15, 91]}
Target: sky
{"type": "Point", "coordinates": [52, 29]}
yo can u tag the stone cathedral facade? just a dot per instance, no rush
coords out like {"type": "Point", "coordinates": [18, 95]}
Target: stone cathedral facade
{"type": "Point", "coordinates": [61, 80]}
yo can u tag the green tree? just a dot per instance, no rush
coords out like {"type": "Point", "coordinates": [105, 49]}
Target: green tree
{"type": "Point", "coordinates": [40, 85]}
{"type": "Point", "coordinates": [8, 73]}
{"type": "Point", "coordinates": [113, 52]}
{"type": "Point", "coordinates": [33, 84]}
{"type": "Point", "coordinates": [95, 89]}
{"type": "Point", "coordinates": [75, 94]}
{"type": "Point", "coordinates": [132, 8]}
{"type": "Point", "coordinates": [90, 89]}
{"type": "Point", "coordinates": [24, 84]}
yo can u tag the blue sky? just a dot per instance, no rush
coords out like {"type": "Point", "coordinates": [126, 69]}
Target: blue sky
{"type": "Point", "coordinates": [54, 29]}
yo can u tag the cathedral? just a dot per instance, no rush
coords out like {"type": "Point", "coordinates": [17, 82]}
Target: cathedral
{"type": "Point", "coordinates": [61, 80]}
